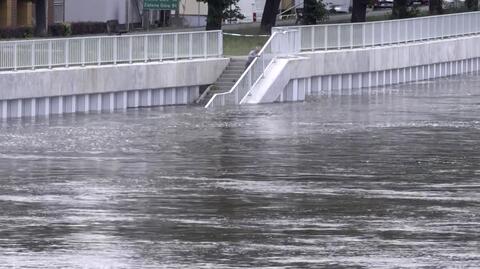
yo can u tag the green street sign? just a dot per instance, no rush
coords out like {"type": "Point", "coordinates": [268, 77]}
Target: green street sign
{"type": "Point", "coordinates": [160, 4]}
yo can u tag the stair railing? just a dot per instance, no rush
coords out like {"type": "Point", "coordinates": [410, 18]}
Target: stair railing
{"type": "Point", "coordinates": [280, 43]}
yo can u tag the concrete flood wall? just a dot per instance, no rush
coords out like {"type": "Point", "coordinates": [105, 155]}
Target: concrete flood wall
{"type": "Point", "coordinates": [104, 88]}
{"type": "Point", "coordinates": [332, 72]}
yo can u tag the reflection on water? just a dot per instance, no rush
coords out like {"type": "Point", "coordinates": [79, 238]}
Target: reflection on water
{"type": "Point", "coordinates": [374, 178]}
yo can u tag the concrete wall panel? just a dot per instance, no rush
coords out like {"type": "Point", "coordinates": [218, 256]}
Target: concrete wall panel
{"type": "Point", "coordinates": [84, 80]}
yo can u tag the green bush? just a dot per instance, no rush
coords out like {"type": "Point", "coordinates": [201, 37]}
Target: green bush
{"type": "Point", "coordinates": [60, 29]}
{"type": "Point", "coordinates": [87, 28]}
{"type": "Point", "coordinates": [16, 32]}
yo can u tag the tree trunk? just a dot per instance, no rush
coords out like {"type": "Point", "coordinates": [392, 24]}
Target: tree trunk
{"type": "Point", "coordinates": [214, 17]}
{"type": "Point", "coordinates": [435, 7]}
{"type": "Point", "coordinates": [309, 12]}
{"type": "Point", "coordinates": [359, 10]}
{"type": "Point", "coordinates": [41, 17]}
{"type": "Point", "coordinates": [269, 17]}
{"type": "Point", "coordinates": [471, 5]}
{"type": "Point", "coordinates": [399, 10]}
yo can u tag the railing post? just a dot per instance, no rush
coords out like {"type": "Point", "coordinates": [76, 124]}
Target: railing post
{"type": "Point", "coordinates": [15, 60]}
{"type": "Point", "coordinates": [82, 52]}
{"type": "Point", "coordinates": [263, 67]}
{"type": "Point", "coordinates": [373, 35]}
{"type": "Point", "coordinates": [414, 33]}
{"type": "Point", "coordinates": [326, 37]}
{"type": "Point", "coordinates": [99, 51]}
{"type": "Point", "coordinates": [250, 79]}
{"type": "Point", "coordinates": [50, 50]}
{"type": "Point", "coordinates": [115, 50]}
{"type": "Point", "coordinates": [339, 32]}
{"type": "Point", "coordinates": [190, 46]}
{"type": "Point", "coordinates": [477, 22]}
{"type": "Point", "coordinates": [351, 36]}
{"type": "Point", "coordinates": [391, 33]}
{"type": "Point", "coordinates": [312, 37]}
{"type": "Point", "coordinates": [145, 48]}
{"type": "Point", "coordinates": [364, 36]}
{"type": "Point", "coordinates": [130, 50]}
{"type": "Point", "coordinates": [220, 43]}
{"type": "Point", "coordinates": [381, 33]}
{"type": "Point", "coordinates": [429, 31]}
{"type": "Point", "coordinates": [175, 47]}
{"type": "Point", "coordinates": [236, 98]}
{"type": "Point", "coordinates": [67, 52]}
{"type": "Point", "coordinates": [205, 48]}
{"type": "Point", "coordinates": [161, 48]}
{"type": "Point", "coordinates": [421, 30]}
{"type": "Point", "coordinates": [33, 55]}
{"type": "Point", "coordinates": [399, 37]}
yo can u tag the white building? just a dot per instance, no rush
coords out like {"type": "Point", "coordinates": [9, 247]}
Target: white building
{"type": "Point", "coordinates": [102, 10]}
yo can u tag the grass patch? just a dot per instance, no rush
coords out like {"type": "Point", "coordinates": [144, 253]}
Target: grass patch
{"type": "Point", "coordinates": [241, 45]}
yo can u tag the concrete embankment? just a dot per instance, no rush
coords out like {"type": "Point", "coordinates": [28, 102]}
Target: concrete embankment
{"type": "Point", "coordinates": [312, 73]}
{"type": "Point", "coordinates": [108, 87]}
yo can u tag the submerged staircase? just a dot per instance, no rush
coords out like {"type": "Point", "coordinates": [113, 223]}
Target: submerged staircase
{"type": "Point", "coordinates": [226, 81]}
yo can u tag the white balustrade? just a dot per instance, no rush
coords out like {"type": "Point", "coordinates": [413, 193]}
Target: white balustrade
{"type": "Point", "coordinates": [100, 50]}
{"type": "Point", "coordinates": [381, 33]}
{"type": "Point", "coordinates": [280, 43]}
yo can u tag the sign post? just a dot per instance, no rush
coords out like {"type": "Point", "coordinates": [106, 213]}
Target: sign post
{"type": "Point", "coordinates": [159, 4]}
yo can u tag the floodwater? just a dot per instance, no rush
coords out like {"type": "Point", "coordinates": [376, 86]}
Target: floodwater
{"type": "Point", "coordinates": [380, 178]}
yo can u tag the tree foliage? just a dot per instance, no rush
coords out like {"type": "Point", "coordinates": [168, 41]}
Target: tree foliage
{"type": "Point", "coordinates": [219, 10]}
{"type": "Point", "coordinates": [435, 7]}
{"type": "Point", "coordinates": [314, 11]}
{"type": "Point", "coordinates": [400, 9]}
{"type": "Point", "coordinates": [471, 5]}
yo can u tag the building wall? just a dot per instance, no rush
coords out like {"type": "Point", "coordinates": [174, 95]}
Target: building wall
{"type": "Point", "coordinates": [9, 13]}
{"type": "Point", "coordinates": [15, 13]}
{"type": "Point", "coordinates": [109, 87]}
{"type": "Point", "coordinates": [188, 7]}
{"type": "Point", "coordinates": [25, 13]}
{"type": "Point", "coordinates": [248, 7]}
{"type": "Point", "coordinates": [101, 11]}
{"type": "Point", "coordinates": [341, 71]}
{"type": "Point", "coordinates": [3, 13]}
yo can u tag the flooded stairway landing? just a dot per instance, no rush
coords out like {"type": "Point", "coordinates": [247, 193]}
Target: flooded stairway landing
{"type": "Point", "coordinates": [227, 79]}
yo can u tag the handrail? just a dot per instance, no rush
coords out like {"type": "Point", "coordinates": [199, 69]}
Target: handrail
{"type": "Point", "coordinates": [242, 101]}
{"type": "Point", "coordinates": [204, 94]}
{"type": "Point", "coordinates": [393, 20]}
{"type": "Point", "coordinates": [279, 43]}
{"type": "Point", "coordinates": [244, 75]}
{"type": "Point", "coordinates": [380, 33]}
{"type": "Point", "coordinates": [99, 50]}
{"type": "Point", "coordinates": [105, 36]}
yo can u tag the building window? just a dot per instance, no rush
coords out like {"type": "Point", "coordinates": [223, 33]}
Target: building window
{"type": "Point", "coordinates": [59, 11]}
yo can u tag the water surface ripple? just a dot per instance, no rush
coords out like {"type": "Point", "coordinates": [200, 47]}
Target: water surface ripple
{"type": "Point", "coordinates": [379, 178]}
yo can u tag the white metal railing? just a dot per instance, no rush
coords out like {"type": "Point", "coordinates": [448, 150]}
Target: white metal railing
{"type": "Point", "coordinates": [280, 43]}
{"type": "Point", "coordinates": [99, 50]}
{"type": "Point", "coordinates": [370, 34]}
